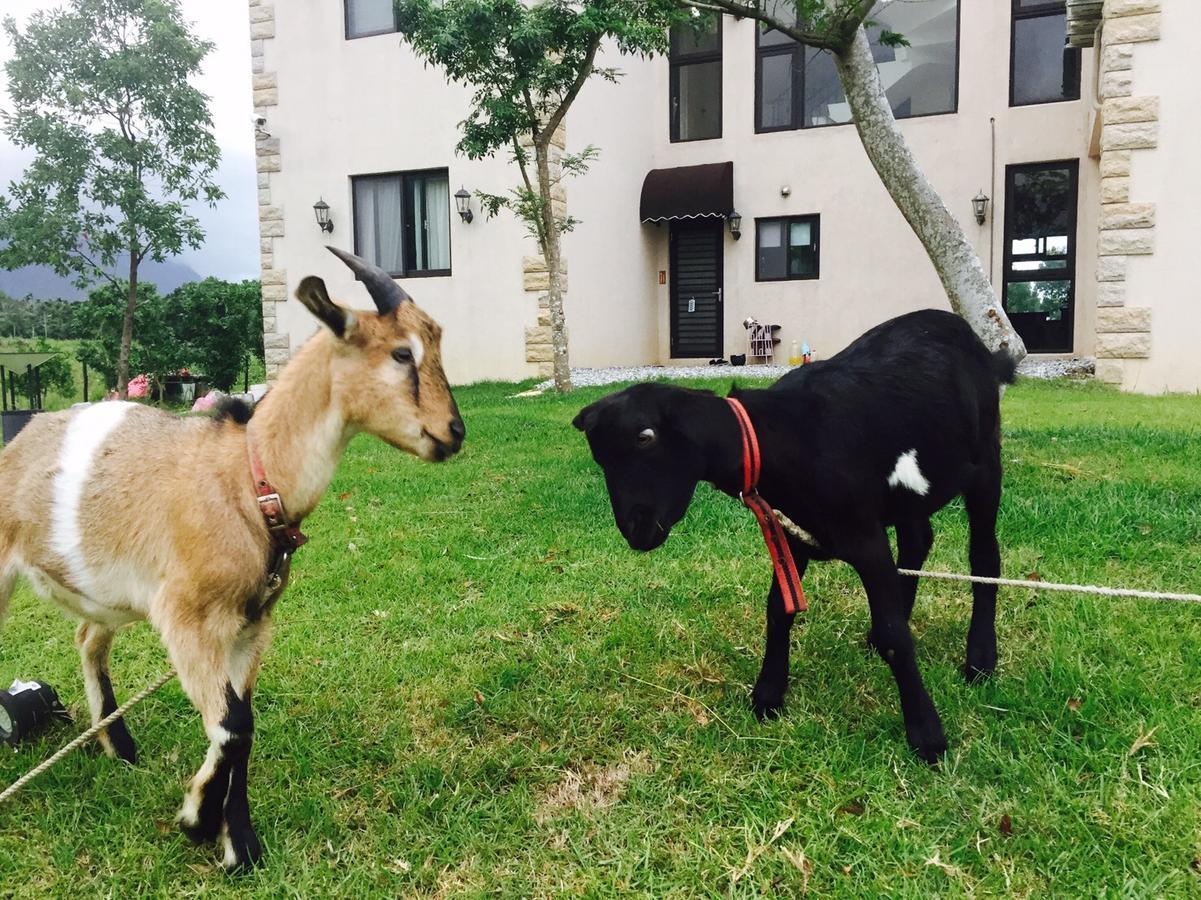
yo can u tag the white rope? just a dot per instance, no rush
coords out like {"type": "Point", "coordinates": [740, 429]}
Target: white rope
{"type": "Point", "coordinates": [86, 736]}
{"type": "Point", "coordinates": [802, 535]}
{"type": "Point", "coordinates": [1054, 586]}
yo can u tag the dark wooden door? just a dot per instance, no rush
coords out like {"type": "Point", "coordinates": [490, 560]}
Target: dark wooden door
{"type": "Point", "coordinates": [696, 288]}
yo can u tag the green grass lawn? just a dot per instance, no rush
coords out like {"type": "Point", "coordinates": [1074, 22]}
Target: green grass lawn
{"type": "Point", "coordinates": [476, 687]}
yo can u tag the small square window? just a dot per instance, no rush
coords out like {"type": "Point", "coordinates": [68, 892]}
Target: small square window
{"type": "Point", "coordinates": [367, 17]}
{"type": "Point", "coordinates": [402, 222]}
{"type": "Point", "coordinates": [787, 248]}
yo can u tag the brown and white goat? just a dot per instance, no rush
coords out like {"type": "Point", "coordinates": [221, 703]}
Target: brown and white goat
{"type": "Point", "coordinates": [101, 517]}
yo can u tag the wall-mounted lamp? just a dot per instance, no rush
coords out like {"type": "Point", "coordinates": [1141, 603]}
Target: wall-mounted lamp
{"type": "Point", "coordinates": [321, 211]}
{"type": "Point", "coordinates": [734, 220]}
{"type": "Point", "coordinates": [980, 207]}
{"type": "Point", "coordinates": [463, 202]}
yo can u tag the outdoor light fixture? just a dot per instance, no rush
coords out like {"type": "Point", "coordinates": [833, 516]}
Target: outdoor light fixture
{"type": "Point", "coordinates": [463, 202]}
{"type": "Point", "coordinates": [980, 207]}
{"type": "Point", "coordinates": [734, 220]}
{"type": "Point", "coordinates": [321, 210]}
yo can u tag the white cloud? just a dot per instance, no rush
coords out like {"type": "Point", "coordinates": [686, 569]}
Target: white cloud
{"type": "Point", "coordinates": [232, 228]}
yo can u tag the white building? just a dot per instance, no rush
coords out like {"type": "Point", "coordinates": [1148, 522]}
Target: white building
{"type": "Point", "coordinates": [1087, 158]}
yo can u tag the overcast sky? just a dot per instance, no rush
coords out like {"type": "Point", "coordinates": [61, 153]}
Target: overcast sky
{"type": "Point", "coordinates": [231, 250]}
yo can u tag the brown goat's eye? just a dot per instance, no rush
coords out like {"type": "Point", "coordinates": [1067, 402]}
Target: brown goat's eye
{"type": "Point", "coordinates": [646, 437]}
{"type": "Point", "coordinates": [403, 355]}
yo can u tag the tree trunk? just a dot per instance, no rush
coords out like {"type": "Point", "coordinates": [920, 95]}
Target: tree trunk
{"type": "Point", "coordinates": [551, 251]}
{"type": "Point", "coordinates": [131, 305]}
{"type": "Point", "coordinates": [968, 287]}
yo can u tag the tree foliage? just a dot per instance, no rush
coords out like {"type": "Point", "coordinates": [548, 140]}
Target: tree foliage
{"type": "Point", "coordinates": [525, 64]}
{"type": "Point", "coordinates": [100, 319]}
{"type": "Point", "coordinates": [211, 328]}
{"type": "Point", "coordinates": [100, 91]}
{"type": "Point", "coordinates": [218, 326]}
{"type": "Point", "coordinates": [28, 317]}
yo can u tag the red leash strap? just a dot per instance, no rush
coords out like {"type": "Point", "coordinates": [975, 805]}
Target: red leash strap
{"type": "Point", "coordinates": [271, 505]}
{"type": "Point", "coordinates": [773, 531]}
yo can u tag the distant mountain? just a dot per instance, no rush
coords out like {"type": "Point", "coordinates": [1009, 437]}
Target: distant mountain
{"type": "Point", "coordinates": [44, 284]}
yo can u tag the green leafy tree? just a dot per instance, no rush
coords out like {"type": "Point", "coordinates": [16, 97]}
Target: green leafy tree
{"type": "Point", "coordinates": [101, 92]}
{"type": "Point", "coordinates": [155, 350]}
{"type": "Point", "coordinates": [838, 27]}
{"type": "Point", "coordinates": [218, 326]}
{"type": "Point", "coordinates": [526, 63]}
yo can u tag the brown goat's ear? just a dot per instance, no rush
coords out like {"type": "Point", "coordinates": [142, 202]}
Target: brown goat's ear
{"type": "Point", "coordinates": [312, 293]}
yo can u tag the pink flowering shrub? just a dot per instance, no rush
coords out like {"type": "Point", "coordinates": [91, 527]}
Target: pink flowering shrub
{"type": "Point", "coordinates": [206, 403]}
{"type": "Point", "coordinates": [139, 387]}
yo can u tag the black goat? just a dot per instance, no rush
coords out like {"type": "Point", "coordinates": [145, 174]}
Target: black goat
{"type": "Point", "coordinates": [885, 433]}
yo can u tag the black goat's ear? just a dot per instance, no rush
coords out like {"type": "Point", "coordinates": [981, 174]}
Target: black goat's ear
{"type": "Point", "coordinates": [586, 418]}
{"type": "Point", "coordinates": [735, 390]}
{"type": "Point", "coordinates": [312, 293]}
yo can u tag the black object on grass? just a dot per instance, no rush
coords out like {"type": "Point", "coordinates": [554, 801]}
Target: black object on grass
{"type": "Point", "coordinates": [26, 708]}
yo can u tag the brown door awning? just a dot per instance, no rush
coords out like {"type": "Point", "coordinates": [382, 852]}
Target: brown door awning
{"type": "Point", "coordinates": [687, 192]}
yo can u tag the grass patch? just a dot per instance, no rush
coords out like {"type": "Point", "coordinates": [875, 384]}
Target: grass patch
{"type": "Point", "coordinates": [476, 687]}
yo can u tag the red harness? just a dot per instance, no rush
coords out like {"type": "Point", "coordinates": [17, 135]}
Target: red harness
{"type": "Point", "coordinates": [773, 531]}
{"type": "Point", "coordinates": [287, 537]}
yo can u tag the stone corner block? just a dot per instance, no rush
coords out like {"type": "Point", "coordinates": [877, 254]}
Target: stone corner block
{"type": "Point", "coordinates": [1123, 320]}
{"type": "Point", "coordinates": [1124, 346]}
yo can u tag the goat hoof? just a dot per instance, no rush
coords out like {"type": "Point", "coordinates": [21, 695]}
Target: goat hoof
{"type": "Point", "coordinates": [242, 850]}
{"type": "Point", "coordinates": [121, 743]}
{"type": "Point", "coordinates": [974, 675]}
{"type": "Point", "coordinates": [767, 701]}
{"type": "Point", "coordinates": [929, 744]}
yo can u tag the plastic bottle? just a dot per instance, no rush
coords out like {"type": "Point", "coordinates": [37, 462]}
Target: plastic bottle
{"type": "Point", "coordinates": [794, 355]}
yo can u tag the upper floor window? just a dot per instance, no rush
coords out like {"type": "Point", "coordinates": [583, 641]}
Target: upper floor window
{"type": "Point", "coordinates": [787, 248]}
{"type": "Point", "coordinates": [1043, 69]}
{"type": "Point", "coordinates": [695, 61]}
{"type": "Point", "coordinates": [798, 87]}
{"type": "Point", "coordinates": [402, 222]}
{"type": "Point", "coordinates": [367, 17]}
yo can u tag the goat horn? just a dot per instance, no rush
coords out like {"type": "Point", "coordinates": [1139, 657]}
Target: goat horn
{"type": "Point", "coordinates": [386, 293]}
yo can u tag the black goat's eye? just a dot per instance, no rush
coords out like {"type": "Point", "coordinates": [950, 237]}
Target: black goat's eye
{"type": "Point", "coordinates": [403, 355]}
{"type": "Point", "coordinates": [646, 437]}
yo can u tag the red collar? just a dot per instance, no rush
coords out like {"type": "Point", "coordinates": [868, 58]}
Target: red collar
{"type": "Point", "coordinates": [773, 531]}
{"type": "Point", "coordinates": [285, 535]}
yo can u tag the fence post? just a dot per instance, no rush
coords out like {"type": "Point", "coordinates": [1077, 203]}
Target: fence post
{"type": "Point", "coordinates": [85, 382]}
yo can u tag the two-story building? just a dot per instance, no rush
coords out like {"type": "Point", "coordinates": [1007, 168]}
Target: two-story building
{"type": "Point", "coordinates": [730, 185]}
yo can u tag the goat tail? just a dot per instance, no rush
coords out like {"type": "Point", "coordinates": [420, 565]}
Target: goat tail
{"type": "Point", "coordinates": [1004, 366]}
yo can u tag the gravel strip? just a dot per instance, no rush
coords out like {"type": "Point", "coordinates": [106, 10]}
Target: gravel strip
{"type": "Point", "coordinates": [1031, 368]}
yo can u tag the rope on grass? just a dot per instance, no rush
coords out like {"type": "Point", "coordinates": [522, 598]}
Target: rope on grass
{"type": "Point", "coordinates": [1055, 586]}
{"type": "Point", "coordinates": [86, 736]}
{"type": "Point", "coordinates": [804, 536]}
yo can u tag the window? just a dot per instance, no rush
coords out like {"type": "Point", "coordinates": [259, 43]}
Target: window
{"type": "Point", "coordinates": [786, 249]}
{"type": "Point", "coordinates": [696, 80]}
{"type": "Point", "coordinates": [1040, 253]}
{"type": "Point", "coordinates": [402, 222]}
{"type": "Point", "coordinates": [367, 17]}
{"type": "Point", "coordinates": [798, 86]}
{"type": "Point", "coordinates": [1042, 68]}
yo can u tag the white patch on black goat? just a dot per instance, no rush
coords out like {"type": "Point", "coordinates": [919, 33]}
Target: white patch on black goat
{"type": "Point", "coordinates": [906, 473]}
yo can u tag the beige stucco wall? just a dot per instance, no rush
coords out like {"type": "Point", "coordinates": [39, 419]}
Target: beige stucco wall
{"type": "Point", "coordinates": [872, 266]}
{"type": "Point", "coordinates": [1169, 176]}
{"type": "Point", "coordinates": [367, 105]}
